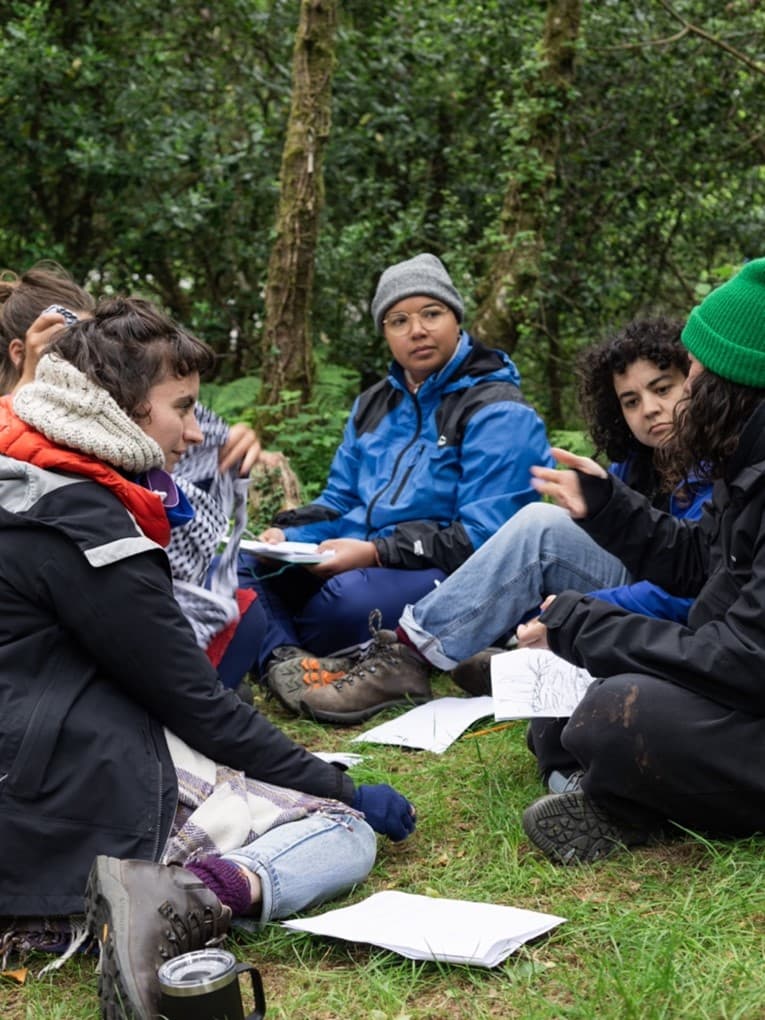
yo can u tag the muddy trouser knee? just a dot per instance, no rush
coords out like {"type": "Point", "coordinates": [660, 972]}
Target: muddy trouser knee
{"type": "Point", "coordinates": [653, 751]}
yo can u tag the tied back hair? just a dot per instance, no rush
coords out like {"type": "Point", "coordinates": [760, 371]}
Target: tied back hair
{"type": "Point", "coordinates": [23, 296]}
{"type": "Point", "coordinates": [127, 347]}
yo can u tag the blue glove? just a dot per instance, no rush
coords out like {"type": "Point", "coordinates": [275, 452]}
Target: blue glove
{"type": "Point", "coordinates": [386, 810]}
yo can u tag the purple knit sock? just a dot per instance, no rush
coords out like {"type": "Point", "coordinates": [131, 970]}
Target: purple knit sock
{"type": "Point", "coordinates": [226, 880]}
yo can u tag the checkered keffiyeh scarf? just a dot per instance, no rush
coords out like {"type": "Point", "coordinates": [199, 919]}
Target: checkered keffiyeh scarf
{"type": "Point", "coordinates": [209, 604]}
{"type": "Point", "coordinates": [210, 609]}
{"type": "Point", "coordinates": [220, 809]}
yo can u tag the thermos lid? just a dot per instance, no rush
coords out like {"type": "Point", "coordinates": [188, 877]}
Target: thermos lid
{"type": "Point", "coordinates": [204, 970]}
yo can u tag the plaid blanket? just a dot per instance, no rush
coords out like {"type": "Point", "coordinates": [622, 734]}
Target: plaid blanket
{"type": "Point", "coordinates": [220, 809]}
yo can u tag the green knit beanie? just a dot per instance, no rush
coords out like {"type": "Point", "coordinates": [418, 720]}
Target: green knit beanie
{"type": "Point", "coordinates": [726, 332]}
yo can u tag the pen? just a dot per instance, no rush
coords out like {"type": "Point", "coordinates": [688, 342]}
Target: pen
{"type": "Point", "coordinates": [489, 729]}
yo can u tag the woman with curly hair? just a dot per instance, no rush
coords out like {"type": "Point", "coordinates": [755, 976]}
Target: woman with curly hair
{"type": "Point", "coordinates": [672, 733]}
{"type": "Point", "coordinates": [629, 387]}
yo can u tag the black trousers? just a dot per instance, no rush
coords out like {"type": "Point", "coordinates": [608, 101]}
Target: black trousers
{"type": "Point", "coordinates": [652, 751]}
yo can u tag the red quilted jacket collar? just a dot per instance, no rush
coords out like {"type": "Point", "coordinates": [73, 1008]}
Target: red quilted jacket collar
{"type": "Point", "coordinates": [21, 442]}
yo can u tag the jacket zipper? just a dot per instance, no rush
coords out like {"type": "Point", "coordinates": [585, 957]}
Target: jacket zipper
{"type": "Point", "coordinates": [390, 481]}
{"type": "Point", "coordinates": [405, 479]}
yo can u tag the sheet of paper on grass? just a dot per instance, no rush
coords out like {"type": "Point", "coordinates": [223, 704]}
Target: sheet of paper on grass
{"type": "Point", "coordinates": [426, 928]}
{"type": "Point", "coordinates": [432, 726]}
{"type": "Point", "coordinates": [533, 683]}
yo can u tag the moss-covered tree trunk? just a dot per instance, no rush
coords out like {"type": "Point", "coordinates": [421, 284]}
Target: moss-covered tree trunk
{"type": "Point", "coordinates": [287, 361]}
{"type": "Point", "coordinates": [511, 282]}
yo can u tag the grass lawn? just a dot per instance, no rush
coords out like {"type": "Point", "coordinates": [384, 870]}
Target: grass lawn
{"type": "Point", "coordinates": [669, 931]}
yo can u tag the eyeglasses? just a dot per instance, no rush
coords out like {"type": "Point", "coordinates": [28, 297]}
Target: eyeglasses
{"type": "Point", "coordinates": [400, 323]}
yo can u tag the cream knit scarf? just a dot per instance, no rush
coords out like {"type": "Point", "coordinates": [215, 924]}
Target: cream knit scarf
{"type": "Point", "coordinates": [69, 409]}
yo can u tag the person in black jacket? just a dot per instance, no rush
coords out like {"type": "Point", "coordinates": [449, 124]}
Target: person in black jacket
{"type": "Point", "coordinates": [121, 754]}
{"type": "Point", "coordinates": [673, 730]}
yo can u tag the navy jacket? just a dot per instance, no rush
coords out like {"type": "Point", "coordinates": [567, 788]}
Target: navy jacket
{"type": "Point", "coordinates": [430, 476]}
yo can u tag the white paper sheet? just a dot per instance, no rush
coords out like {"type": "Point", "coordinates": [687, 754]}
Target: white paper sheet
{"type": "Point", "coordinates": [288, 552]}
{"type": "Point", "coordinates": [427, 928]}
{"type": "Point", "coordinates": [345, 758]}
{"type": "Point", "coordinates": [432, 726]}
{"type": "Point", "coordinates": [530, 683]}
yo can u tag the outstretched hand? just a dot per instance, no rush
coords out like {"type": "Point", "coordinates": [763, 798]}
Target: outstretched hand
{"type": "Point", "coordinates": [563, 486]}
{"type": "Point", "coordinates": [386, 810]}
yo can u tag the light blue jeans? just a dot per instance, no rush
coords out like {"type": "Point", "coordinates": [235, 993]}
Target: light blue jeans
{"type": "Point", "coordinates": [540, 551]}
{"type": "Point", "coordinates": [306, 862]}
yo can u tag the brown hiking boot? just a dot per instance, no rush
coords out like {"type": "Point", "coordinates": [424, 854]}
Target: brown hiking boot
{"type": "Point", "coordinates": [474, 674]}
{"type": "Point", "coordinates": [389, 673]}
{"type": "Point", "coordinates": [289, 679]}
{"type": "Point", "coordinates": [142, 914]}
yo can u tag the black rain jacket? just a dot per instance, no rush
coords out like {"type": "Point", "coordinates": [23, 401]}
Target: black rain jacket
{"type": "Point", "coordinates": [96, 659]}
{"type": "Point", "coordinates": [720, 559]}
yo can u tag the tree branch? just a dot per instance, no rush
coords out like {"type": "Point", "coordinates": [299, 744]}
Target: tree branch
{"type": "Point", "coordinates": [666, 41]}
{"type": "Point", "coordinates": [737, 54]}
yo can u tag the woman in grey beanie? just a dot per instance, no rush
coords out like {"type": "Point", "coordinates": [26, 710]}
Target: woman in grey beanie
{"type": "Point", "coordinates": [434, 459]}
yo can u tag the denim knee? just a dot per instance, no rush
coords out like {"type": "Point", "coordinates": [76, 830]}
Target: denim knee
{"type": "Point", "coordinates": [304, 863]}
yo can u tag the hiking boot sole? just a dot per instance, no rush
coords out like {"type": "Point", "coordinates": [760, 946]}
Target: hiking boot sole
{"type": "Point", "coordinates": [569, 829]}
{"type": "Point", "coordinates": [104, 887]}
{"type": "Point", "coordinates": [361, 714]}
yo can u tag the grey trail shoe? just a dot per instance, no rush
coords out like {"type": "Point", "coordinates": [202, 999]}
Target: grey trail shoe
{"type": "Point", "coordinates": [388, 674]}
{"type": "Point", "coordinates": [289, 679]}
{"type": "Point", "coordinates": [142, 914]}
{"type": "Point", "coordinates": [474, 674]}
{"type": "Point", "coordinates": [569, 829]}
{"type": "Point", "coordinates": [560, 782]}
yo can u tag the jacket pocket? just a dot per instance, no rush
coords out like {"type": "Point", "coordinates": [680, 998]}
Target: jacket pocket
{"type": "Point", "coordinates": [41, 734]}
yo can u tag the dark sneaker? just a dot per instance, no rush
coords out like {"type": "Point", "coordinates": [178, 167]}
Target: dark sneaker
{"type": "Point", "coordinates": [389, 673]}
{"type": "Point", "coordinates": [569, 829]}
{"type": "Point", "coordinates": [289, 679]}
{"type": "Point", "coordinates": [474, 674]}
{"type": "Point", "coordinates": [142, 914]}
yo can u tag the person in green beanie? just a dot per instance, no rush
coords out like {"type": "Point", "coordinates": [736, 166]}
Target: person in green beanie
{"type": "Point", "coordinates": [669, 738]}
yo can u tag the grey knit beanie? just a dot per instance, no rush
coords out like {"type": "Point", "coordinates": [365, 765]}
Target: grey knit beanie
{"type": "Point", "coordinates": [424, 274]}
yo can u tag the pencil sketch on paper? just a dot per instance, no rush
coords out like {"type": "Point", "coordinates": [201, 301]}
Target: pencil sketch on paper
{"type": "Point", "coordinates": [530, 683]}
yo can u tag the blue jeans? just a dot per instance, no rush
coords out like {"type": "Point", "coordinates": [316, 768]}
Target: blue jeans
{"type": "Point", "coordinates": [540, 551]}
{"type": "Point", "coordinates": [303, 863]}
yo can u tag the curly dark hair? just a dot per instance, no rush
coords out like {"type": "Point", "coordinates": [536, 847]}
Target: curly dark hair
{"type": "Point", "coordinates": [127, 347]}
{"type": "Point", "coordinates": [657, 340]}
{"type": "Point", "coordinates": [708, 425]}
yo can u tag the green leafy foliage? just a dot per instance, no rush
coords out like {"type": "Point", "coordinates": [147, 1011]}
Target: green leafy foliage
{"type": "Point", "coordinates": [573, 440]}
{"type": "Point", "coordinates": [308, 437]}
{"type": "Point", "coordinates": [142, 147]}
